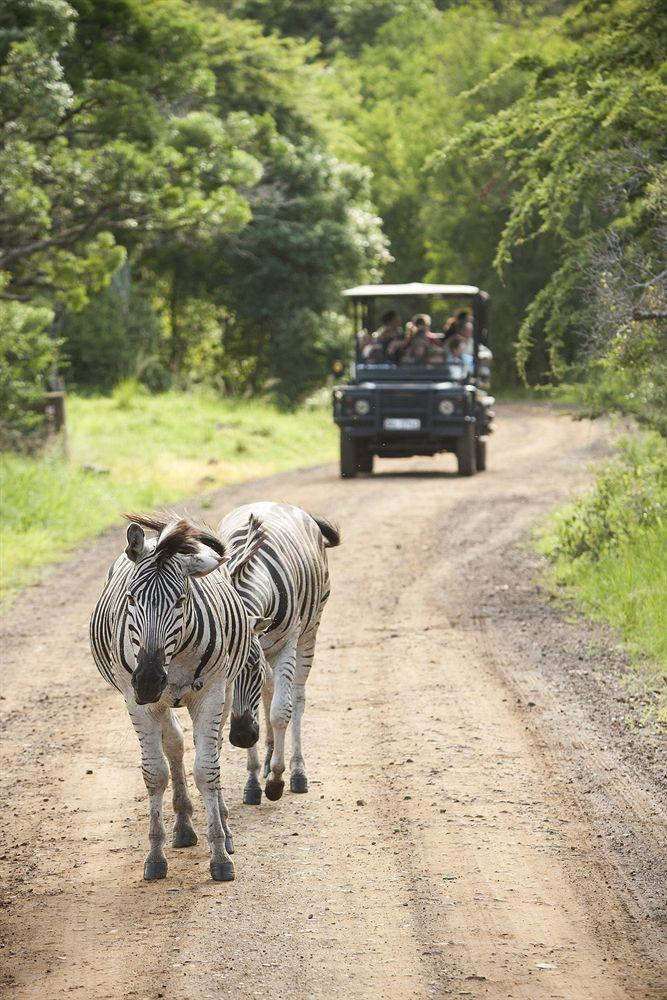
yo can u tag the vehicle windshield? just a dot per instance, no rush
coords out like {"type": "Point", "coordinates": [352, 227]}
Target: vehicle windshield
{"type": "Point", "coordinates": [391, 338]}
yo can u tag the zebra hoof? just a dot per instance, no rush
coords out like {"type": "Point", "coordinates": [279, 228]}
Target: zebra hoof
{"type": "Point", "coordinates": [229, 843]}
{"type": "Point", "coordinates": [298, 783]}
{"type": "Point", "coordinates": [184, 838]}
{"type": "Point", "coordinates": [252, 796]}
{"type": "Point", "coordinates": [222, 871]}
{"type": "Point", "coordinates": [154, 870]}
{"type": "Point", "coordinates": [274, 789]}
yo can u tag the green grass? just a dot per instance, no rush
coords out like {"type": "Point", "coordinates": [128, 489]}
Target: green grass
{"type": "Point", "coordinates": [135, 451]}
{"type": "Point", "coordinates": [608, 553]}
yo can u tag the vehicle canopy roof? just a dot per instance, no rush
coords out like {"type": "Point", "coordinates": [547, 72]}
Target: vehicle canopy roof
{"type": "Point", "coordinates": [414, 288]}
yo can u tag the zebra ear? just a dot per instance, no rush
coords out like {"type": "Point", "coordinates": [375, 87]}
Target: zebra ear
{"type": "Point", "coordinates": [136, 541]}
{"type": "Point", "coordinates": [259, 625]}
{"type": "Point", "coordinates": [201, 562]}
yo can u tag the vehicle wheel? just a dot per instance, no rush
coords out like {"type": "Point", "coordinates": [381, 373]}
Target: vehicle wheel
{"type": "Point", "coordinates": [364, 459]}
{"type": "Point", "coordinates": [480, 455]}
{"type": "Point", "coordinates": [354, 457]}
{"type": "Point", "coordinates": [465, 452]}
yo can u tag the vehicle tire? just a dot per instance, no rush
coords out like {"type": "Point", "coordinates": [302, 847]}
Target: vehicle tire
{"type": "Point", "coordinates": [354, 457]}
{"type": "Point", "coordinates": [466, 452]}
{"type": "Point", "coordinates": [480, 455]}
{"type": "Point", "coordinates": [364, 458]}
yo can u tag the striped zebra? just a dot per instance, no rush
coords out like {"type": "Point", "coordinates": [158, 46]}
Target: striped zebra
{"type": "Point", "coordinates": [170, 630]}
{"type": "Point", "coordinates": [278, 565]}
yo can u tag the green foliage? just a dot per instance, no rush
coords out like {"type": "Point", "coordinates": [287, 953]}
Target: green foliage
{"type": "Point", "coordinates": [312, 231]}
{"type": "Point", "coordinates": [629, 496]}
{"type": "Point", "coordinates": [134, 450]}
{"type": "Point", "coordinates": [107, 143]}
{"type": "Point", "coordinates": [608, 551]}
{"type": "Point", "coordinates": [27, 353]}
{"type": "Point", "coordinates": [116, 335]}
{"type": "Point", "coordinates": [582, 151]}
{"type": "Point", "coordinates": [139, 131]}
{"type": "Point", "coordinates": [336, 24]}
{"type": "Point", "coordinates": [247, 160]}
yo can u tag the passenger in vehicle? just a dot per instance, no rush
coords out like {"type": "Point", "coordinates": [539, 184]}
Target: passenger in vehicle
{"type": "Point", "coordinates": [460, 326]}
{"type": "Point", "coordinates": [456, 352]}
{"type": "Point", "coordinates": [364, 340]}
{"type": "Point", "coordinates": [385, 339]}
{"type": "Point", "coordinates": [449, 328]}
{"type": "Point", "coordinates": [421, 346]}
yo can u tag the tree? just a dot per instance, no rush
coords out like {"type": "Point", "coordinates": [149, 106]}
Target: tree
{"type": "Point", "coordinates": [106, 143]}
{"type": "Point", "coordinates": [582, 148]}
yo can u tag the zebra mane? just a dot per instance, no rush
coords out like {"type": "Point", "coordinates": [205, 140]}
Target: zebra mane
{"type": "Point", "coordinates": [177, 536]}
{"type": "Point", "coordinates": [254, 539]}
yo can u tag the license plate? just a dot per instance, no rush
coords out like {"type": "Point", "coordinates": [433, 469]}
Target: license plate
{"type": "Point", "coordinates": [402, 424]}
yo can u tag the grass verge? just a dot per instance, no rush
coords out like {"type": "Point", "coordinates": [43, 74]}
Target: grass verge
{"type": "Point", "coordinates": [608, 552]}
{"type": "Point", "coordinates": [132, 450]}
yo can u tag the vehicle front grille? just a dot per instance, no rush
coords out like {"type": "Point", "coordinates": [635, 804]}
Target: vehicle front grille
{"type": "Point", "coordinates": [403, 404]}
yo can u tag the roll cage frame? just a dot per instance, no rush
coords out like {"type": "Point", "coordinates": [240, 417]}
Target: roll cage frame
{"type": "Point", "coordinates": [363, 302]}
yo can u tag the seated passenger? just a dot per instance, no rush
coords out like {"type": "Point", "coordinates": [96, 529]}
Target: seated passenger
{"type": "Point", "coordinates": [456, 352]}
{"type": "Point", "coordinates": [364, 339]}
{"type": "Point", "coordinates": [420, 347]}
{"type": "Point", "coordinates": [449, 328]}
{"type": "Point", "coordinates": [461, 326]}
{"type": "Point", "coordinates": [387, 336]}
{"type": "Point", "coordinates": [423, 322]}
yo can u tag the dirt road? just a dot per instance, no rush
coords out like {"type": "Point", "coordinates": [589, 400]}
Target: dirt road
{"type": "Point", "coordinates": [448, 845]}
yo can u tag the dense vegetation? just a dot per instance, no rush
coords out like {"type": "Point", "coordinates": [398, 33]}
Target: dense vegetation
{"type": "Point", "coordinates": [186, 186]}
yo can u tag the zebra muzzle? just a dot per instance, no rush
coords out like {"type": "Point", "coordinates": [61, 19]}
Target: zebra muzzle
{"type": "Point", "coordinates": [243, 730]}
{"type": "Point", "coordinates": [150, 678]}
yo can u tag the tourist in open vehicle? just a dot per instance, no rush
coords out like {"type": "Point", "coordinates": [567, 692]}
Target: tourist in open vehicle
{"type": "Point", "coordinates": [456, 350]}
{"type": "Point", "coordinates": [381, 345]}
{"type": "Point", "coordinates": [420, 346]}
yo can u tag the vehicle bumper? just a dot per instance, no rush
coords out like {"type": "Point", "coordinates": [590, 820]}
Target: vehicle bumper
{"type": "Point", "coordinates": [435, 432]}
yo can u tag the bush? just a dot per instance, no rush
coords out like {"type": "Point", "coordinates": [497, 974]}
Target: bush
{"type": "Point", "coordinates": [27, 353]}
{"type": "Point", "coordinates": [629, 497]}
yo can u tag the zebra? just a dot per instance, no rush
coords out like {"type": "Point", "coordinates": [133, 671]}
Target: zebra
{"type": "Point", "coordinates": [278, 565]}
{"type": "Point", "coordinates": [170, 630]}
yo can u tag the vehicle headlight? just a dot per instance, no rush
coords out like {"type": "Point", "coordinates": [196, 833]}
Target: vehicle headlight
{"type": "Point", "coordinates": [446, 407]}
{"type": "Point", "coordinates": [362, 407]}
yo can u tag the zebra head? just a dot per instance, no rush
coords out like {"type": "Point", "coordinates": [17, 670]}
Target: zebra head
{"type": "Point", "coordinates": [158, 593]}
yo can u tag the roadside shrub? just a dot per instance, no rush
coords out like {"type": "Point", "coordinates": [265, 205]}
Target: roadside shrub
{"type": "Point", "coordinates": [127, 393]}
{"type": "Point", "coordinates": [27, 353]}
{"type": "Point", "coordinates": [628, 498]}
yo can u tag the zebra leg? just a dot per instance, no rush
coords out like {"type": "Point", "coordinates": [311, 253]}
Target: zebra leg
{"type": "Point", "coordinates": [304, 659]}
{"type": "Point", "coordinates": [281, 712]}
{"type": "Point", "coordinates": [222, 805]}
{"type": "Point", "coordinates": [206, 720]}
{"type": "Point", "coordinates": [267, 698]}
{"type": "Point", "coordinates": [252, 793]}
{"type": "Point", "coordinates": [172, 739]}
{"type": "Point", "coordinates": [147, 722]}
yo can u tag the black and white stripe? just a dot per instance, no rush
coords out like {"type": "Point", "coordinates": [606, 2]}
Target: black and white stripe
{"type": "Point", "coordinates": [168, 630]}
{"type": "Point", "coordinates": [278, 565]}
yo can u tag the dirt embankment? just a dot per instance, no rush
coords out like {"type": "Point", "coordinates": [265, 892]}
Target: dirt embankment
{"type": "Point", "coordinates": [478, 824]}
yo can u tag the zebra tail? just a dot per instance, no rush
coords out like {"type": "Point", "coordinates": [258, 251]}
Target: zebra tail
{"type": "Point", "coordinates": [330, 531]}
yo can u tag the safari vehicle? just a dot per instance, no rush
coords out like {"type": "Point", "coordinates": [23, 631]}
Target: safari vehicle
{"type": "Point", "coordinates": [395, 410]}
